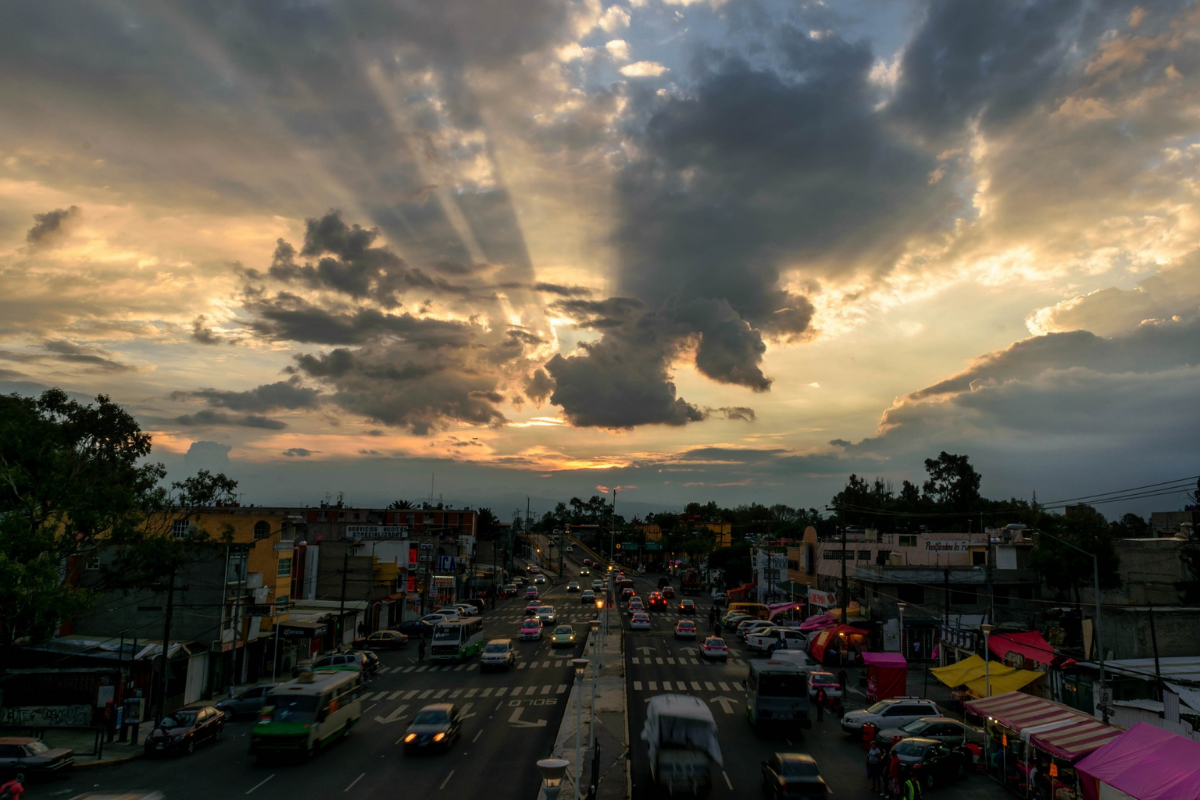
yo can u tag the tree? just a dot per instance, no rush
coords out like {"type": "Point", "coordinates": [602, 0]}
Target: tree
{"type": "Point", "coordinates": [1066, 568]}
{"type": "Point", "coordinates": [1130, 526]}
{"type": "Point", "coordinates": [75, 487]}
{"type": "Point", "coordinates": [487, 522]}
{"type": "Point", "coordinates": [400, 505]}
{"type": "Point", "coordinates": [953, 483]}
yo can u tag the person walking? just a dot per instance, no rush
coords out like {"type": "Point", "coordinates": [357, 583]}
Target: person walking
{"type": "Point", "coordinates": [843, 680]}
{"type": "Point", "coordinates": [421, 650]}
{"type": "Point", "coordinates": [894, 776]}
{"type": "Point", "coordinates": [912, 786]}
{"type": "Point", "coordinates": [875, 768]}
{"type": "Point", "coordinates": [820, 704]}
{"type": "Point", "coordinates": [13, 789]}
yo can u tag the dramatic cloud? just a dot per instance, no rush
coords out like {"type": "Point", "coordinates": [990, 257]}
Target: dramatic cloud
{"type": "Point", "coordinates": [215, 418]}
{"type": "Point", "coordinates": [268, 397]}
{"type": "Point", "coordinates": [51, 227]}
{"type": "Point", "coordinates": [85, 356]}
{"type": "Point", "coordinates": [202, 333]}
{"type": "Point", "coordinates": [207, 455]}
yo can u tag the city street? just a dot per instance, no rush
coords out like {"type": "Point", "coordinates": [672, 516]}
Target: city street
{"type": "Point", "coordinates": [511, 721]}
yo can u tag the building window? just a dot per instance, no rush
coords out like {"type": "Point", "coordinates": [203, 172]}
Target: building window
{"type": "Point", "coordinates": [914, 595]}
{"type": "Point", "coordinates": [180, 528]}
{"type": "Point", "coordinates": [237, 566]}
{"type": "Point", "coordinates": [838, 555]}
{"type": "Point", "coordinates": [262, 529]}
{"type": "Point", "coordinates": [864, 555]}
{"type": "Point", "coordinates": [1000, 595]}
{"type": "Point", "coordinates": [285, 567]}
{"type": "Point", "coordinates": [978, 558]}
{"type": "Point", "coordinates": [964, 597]}
{"type": "Point", "coordinates": [92, 563]}
{"type": "Point", "coordinates": [908, 541]}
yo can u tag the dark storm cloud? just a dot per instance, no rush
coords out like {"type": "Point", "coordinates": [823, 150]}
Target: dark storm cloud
{"type": "Point", "coordinates": [268, 397]}
{"type": "Point", "coordinates": [736, 412]}
{"type": "Point", "coordinates": [286, 317]}
{"type": "Point", "coordinates": [50, 227]}
{"type": "Point", "coordinates": [86, 356]}
{"type": "Point", "coordinates": [202, 333]}
{"type": "Point", "coordinates": [539, 386]}
{"type": "Point", "coordinates": [215, 418]}
{"type": "Point", "coordinates": [299, 452]}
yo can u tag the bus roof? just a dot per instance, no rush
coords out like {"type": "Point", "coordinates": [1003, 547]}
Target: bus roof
{"type": "Point", "coordinates": [758, 665]}
{"type": "Point", "coordinates": [317, 681]}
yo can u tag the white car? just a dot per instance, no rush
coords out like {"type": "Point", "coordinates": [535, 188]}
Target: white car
{"type": "Point", "coordinates": [640, 621]}
{"type": "Point", "coordinates": [452, 612]}
{"type": "Point", "coordinates": [539, 578]}
{"type": "Point", "coordinates": [892, 713]}
{"type": "Point", "coordinates": [497, 654]}
{"type": "Point", "coordinates": [468, 609]}
{"type": "Point", "coordinates": [573, 586]}
{"type": "Point", "coordinates": [597, 586]}
{"type": "Point", "coordinates": [777, 638]}
{"type": "Point", "coordinates": [570, 549]}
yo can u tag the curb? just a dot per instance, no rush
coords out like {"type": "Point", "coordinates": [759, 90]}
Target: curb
{"type": "Point", "coordinates": [107, 762]}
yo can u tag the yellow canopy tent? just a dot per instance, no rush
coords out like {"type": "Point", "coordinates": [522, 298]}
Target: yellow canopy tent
{"type": "Point", "coordinates": [1007, 681]}
{"type": "Point", "coordinates": [957, 674]}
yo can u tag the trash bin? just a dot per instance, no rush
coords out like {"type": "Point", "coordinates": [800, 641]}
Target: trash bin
{"type": "Point", "coordinates": [868, 734]}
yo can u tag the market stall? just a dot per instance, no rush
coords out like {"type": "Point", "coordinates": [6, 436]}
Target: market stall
{"type": "Point", "coordinates": [887, 676]}
{"type": "Point", "coordinates": [1024, 731]}
{"type": "Point", "coordinates": [841, 644]}
{"type": "Point", "coordinates": [975, 677]}
{"type": "Point", "coordinates": [1144, 763]}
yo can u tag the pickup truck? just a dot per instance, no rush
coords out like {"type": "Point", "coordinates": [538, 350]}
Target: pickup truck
{"type": "Point", "coordinates": [681, 735]}
{"type": "Point", "coordinates": [777, 638]}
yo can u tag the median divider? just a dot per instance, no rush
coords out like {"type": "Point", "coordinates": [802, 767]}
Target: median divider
{"type": "Point", "coordinates": [610, 722]}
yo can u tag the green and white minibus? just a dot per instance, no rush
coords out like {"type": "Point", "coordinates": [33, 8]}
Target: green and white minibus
{"type": "Point", "coordinates": [457, 639]}
{"type": "Point", "coordinates": [306, 714]}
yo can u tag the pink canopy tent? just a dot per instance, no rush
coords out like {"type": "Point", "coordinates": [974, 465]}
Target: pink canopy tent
{"type": "Point", "coordinates": [818, 623]}
{"type": "Point", "coordinates": [1146, 763]}
{"type": "Point", "coordinates": [1029, 644]}
{"type": "Point", "coordinates": [775, 609]}
{"type": "Point", "coordinates": [887, 675]}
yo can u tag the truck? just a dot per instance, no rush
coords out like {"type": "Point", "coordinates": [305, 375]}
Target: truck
{"type": "Point", "coordinates": [691, 582]}
{"type": "Point", "coordinates": [681, 735]}
{"type": "Point", "coordinates": [777, 638]}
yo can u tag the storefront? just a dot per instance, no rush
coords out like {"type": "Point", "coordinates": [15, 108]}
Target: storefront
{"type": "Point", "coordinates": [299, 641]}
{"type": "Point", "coordinates": [441, 590]}
{"type": "Point", "coordinates": [1026, 731]}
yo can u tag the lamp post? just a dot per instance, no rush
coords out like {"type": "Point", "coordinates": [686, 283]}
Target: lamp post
{"type": "Point", "coordinates": [580, 665]}
{"type": "Point", "coordinates": [1099, 639]}
{"type": "Point", "coordinates": [595, 675]}
{"type": "Point", "coordinates": [553, 770]}
{"type": "Point", "coordinates": [902, 605]}
{"type": "Point", "coordinates": [987, 662]}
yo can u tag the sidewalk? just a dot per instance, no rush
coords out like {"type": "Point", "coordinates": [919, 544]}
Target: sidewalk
{"type": "Point", "coordinates": [611, 724]}
{"type": "Point", "coordinates": [84, 742]}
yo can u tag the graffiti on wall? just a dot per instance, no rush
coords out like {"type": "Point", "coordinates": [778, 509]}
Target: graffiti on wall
{"type": "Point", "coordinates": [47, 716]}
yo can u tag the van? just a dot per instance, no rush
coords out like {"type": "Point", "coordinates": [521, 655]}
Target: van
{"type": "Point", "coordinates": [305, 715]}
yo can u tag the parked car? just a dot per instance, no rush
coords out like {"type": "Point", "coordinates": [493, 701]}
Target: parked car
{"type": "Point", "coordinates": [685, 629]}
{"type": "Point", "coordinates": [33, 758]}
{"type": "Point", "coordinates": [563, 636]}
{"type": "Point", "coordinates": [381, 640]}
{"type": "Point", "coordinates": [434, 727]}
{"type": "Point", "coordinates": [668, 592]}
{"type": "Point", "coordinates": [547, 615]}
{"type": "Point", "coordinates": [895, 712]}
{"type": "Point", "coordinates": [531, 629]}
{"type": "Point", "coordinates": [792, 775]}
{"type": "Point", "coordinates": [714, 647]}
{"type": "Point", "coordinates": [588, 597]}
{"type": "Point", "coordinates": [946, 730]}
{"type": "Point", "coordinates": [183, 730]}
{"type": "Point", "coordinates": [497, 654]}
{"type": "Point", "coordinates": [823, 680]}
{"type": "Point", "coordinates": [687, 606]}
{"type": "Point", "coordinates": [573, 586]}
{"type": "Point", "coordinates": [932, 762]}
{"type": "Point", "coordinates": [245, 703]}
{"type": "Point", "coordinates": [417, 629]}
{"type": "Point", "coordinates": [640, 621]}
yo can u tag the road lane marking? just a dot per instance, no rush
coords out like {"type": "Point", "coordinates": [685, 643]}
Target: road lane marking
{"type": "Point", "coordinates": [546, 689]}
{"type": "Point", "coordinates": [460, 667]}
{"type": "Point", "coordinates": [522, 665]}
{"type": "Point", "coordinates": [422, 668]}
{"type": "Point", "coordinates": [670, 661]}
{"type": "Point", "coordinates": [472, 692]}
{"type": "Point", "coordinates": [658, 660]}
{"type": "Point", "coordinates": [441, 693]}
{"type": "Point", "coordinates": [637, 686]}
{"type": "Point", "coordinates": [728, 782]}
{"type": "Point", "coordinates": [410, 695]}
{"type": "Point", "coordinates": [356, 780]}
{"type": "Point", "coordinates": [377, 697]}
{"type": "Point", "coordinates": [562, 687]}
{"type": "Point", "coordinates": [637, 661]}
{"type": "Point", "coordinates": [476, 739]}
{"type": "Point", "coordinates": [486, 692]}
{"type": "Point", "coordinates": [724, 686]}
{"type": "Point", "coordinates": [264, 780]}
{"type": "Point", "coordinates": [455, 693]}
{"type": "Point", "coordinates": [708, 685]}
{"type": "Point", "coordinates": [426, 693]}
{"type": "Point", "coordinates": [500, 692]}
{"type": "Point", "coordinates": [652, 685]}
{"type": "Point", "coordinates": [696, 685]}
{"type": "Point", "coordinates": [395, 695]}
{"type": "Point", "coordinates": [448, 777]}
{"type": "Point", "coordinates": [368, 708]}
{"type": "Point", "coordinates": [408, 669]}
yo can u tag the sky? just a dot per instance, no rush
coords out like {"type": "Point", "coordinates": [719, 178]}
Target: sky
{"type": "Point", "coordinates": [687, 249]}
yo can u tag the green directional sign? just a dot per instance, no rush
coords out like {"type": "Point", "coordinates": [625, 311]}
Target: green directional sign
{"type": "Point", "coordinates": [654, 545]}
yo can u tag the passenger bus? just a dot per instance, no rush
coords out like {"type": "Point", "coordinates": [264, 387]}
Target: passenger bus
{"type": "Point", "coordinates": [757, 610]}
{"type": "Point", "coordinates": [305, 715]}
{"type": "Point", "coordinates": [777, 695]}
{"type": "Point", "coordinates": [457, 639]}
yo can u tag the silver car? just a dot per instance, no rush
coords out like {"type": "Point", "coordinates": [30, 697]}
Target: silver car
{"type": "Point", "coordinates": [497, 654]}
{"type": "Point", "coordinates": [944, 729]}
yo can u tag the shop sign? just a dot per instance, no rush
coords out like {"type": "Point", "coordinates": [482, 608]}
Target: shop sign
{"type": "Point", "coordinates": [821, 599]}
{"type": "Point", "coordinates": [263, 610]}
{"type": "Point", "coordinates": [412, 557]}
{"type": "Point", "coordinates": [443, 581]}
{"type": "Point", "coordinates": [376, 531]}
{"type": "Point", "coordinates": [302, 632]}
{"type": "Point", "coordinates": [446, 564]}
{"type": "Point", "coordinates": [947, 546]}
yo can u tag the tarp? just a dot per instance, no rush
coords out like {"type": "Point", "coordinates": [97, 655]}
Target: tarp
{"type": "Point", "coordinates": [957, 674]}
{"type": "Point", "coordinates": [1029, 644]}
{"type": "Point", "coordinates": [1146, 763]}
{"type": "Point", "coordinates": [1009, 680]}
{"type": "Point", "coordinates": [828, 638]}
{"type": "Point", "coordinates": [1076, 736]}
{"type": "Point", "coordinates": [872, 659]}
{"type": "Point", "coordinates": [1075, 741]}
{"type": "Point", "coordinates": [887, 675]}
{"type": "Point", "coordinates": [782, 608]}
{"type": "Point", "coordinates": [817, 623]}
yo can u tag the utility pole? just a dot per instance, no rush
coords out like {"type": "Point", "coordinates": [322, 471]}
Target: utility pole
{"type": "Point", "coordinates": [166, 648]}
{"type": "Point", "coordinates": [612, 522]}
{"type": "Point", "coordinates": [341, 634]}
{"type": "Point", "coordinates": [845, 586]}
{"type": "Point", "coordinates": [1153, 633]}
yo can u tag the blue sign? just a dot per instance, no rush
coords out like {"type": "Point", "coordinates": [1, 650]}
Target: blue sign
{"type": "Point", "coordinates": [446, 564]}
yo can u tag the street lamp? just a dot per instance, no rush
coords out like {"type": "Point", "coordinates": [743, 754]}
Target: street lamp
{"type": "Point", "coordinates": [902, 605]}
{"type": "Point", "coordinates": [987, 662]}
{"type": "Point", "coordinates": [595, 674]}
{"type": "Point", "coordinates": [580, 665]}
{"type": "Point", "coordinates": [553, 770]}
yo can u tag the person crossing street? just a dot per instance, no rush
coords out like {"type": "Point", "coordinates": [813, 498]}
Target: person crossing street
{"type": "Point", "coordinates": [421, 650]}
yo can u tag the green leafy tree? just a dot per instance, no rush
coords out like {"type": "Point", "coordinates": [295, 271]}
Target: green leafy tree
{"type": "Point", "coordinates": [1067, 569]}
{"type": "Point", "coordinates": [953, 483]}
{"type": "Point", "coordinates": [400, 505]}
{"type": "Point", "coordinates": [486, 523]}
{"type": "Point", "coordinates": [75, 487]}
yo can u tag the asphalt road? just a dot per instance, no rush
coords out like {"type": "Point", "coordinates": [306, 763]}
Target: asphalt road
{"type": "Point", "coordinates": [511, 721]}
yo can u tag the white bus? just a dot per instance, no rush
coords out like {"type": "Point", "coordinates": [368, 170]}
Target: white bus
{"type": "Point", "coordinates": [309, 713]}
{"type": "Point", "coordinates": [457, 639]}
{"type": "Point", "coordinates": [777, 695]}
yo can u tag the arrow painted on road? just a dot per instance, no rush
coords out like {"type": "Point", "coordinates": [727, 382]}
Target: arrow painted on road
{"type": "Point", "coordinates": [724, 701]}
{"type": "Point", "coordinates": [394, 716]}
{"type": "Point", "coordinates": [646, 650]}
{"type": "Point", "coordinates": [516, 720]}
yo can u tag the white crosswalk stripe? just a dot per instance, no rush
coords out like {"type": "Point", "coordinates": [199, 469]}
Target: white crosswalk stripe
{"type": "Point", "coordinates": [455, 693]}
{"type": "Point", "coordinates": [426, 693]}
{"type": "Point", "coordinates": [395, 695]}
{"type": "Point", "coordinates": [652, 685]}
{"type": "Point", "coordinates": [441, 693]}
{"type": "Point", "coordinates": [485, 692]}
{"type": "Point", "coordinates": [410, 695]}
{"type": "Point", "coordinates": [472, 692]}
{"type": "Point", "coordinates": [637, 686]}
{"type": "Point", "coordinates": [708, 685]}
{"type": "Point", "coordinates": [562, 687]}
{"type": "Point", "coordinates": [408, 669]}
{"type": "Point", "coordinates": [724, 686]}
{"type": "Point", "coordinates": [501, 691]}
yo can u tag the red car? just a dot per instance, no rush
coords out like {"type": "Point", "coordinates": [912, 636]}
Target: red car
{"type": "Point", "coordinates": [657, 600]}
{"type": "Point", "coordinates": [668, 592]}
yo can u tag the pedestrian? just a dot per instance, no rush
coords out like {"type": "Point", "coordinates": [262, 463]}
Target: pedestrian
{"type": "Point", "coordinates": [912, 787]}
{"type": "Point", "coordinates": [13, 789]}
{"type": "Point", "coordinates": [843, 680]}
{"type": "Point", "coordinates": [894, 775]}
{"type": "Point", "coordinates": [916, 648]}
{"type": "Point", "coordinates": [875, 768]}
{"type": "Point", "coordinates": [421, 650]}
{"type": "Point", "coordinates": [1032, 782]}
{"type": "Point", "coordinates": [820, 704]}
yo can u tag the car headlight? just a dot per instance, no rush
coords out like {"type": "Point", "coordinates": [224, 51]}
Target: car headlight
{"type": "Point", "coordinates": [412, 737]}
{"type": "Point", "coordinates": [437, 737]}
{"type": "Point", "coordinates": [177, 738]}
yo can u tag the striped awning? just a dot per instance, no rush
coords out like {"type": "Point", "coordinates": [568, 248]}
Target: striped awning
{"type": "Point", "coordinates": [1059, 730]}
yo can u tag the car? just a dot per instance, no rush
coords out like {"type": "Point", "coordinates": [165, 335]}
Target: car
{"type": "Point", "coordinates": [417, 629]}
{"type": "Point", "coordinates": [792, 775]}
{"type": "Point", "coordinates": [434, 727]}
{"type": "Point", "coordinates": [531, 593]}
{"type": "Point", "coordinates": [734, 618]}
{"type": "Point", "coordinates": [497, 654]}
{"type": "Point", "coordinates": [34, 759]}
{"type": "Point", "coordinates": [535, 569]}
{"type": "Point", "coordinates": [946, 730]}
{"type": "Point", "coordinates": [668, 592]}
{"type": "Point", "coordinates": [529, 567]}
{"type": "Point", "coordinates": [573, 586]}
{"type": "Point", "coordinates": [635, 605]}
{"type": "Point", "coordinates": [547, 615]}
{"type": "Point", "coordinates": [687, 606]}
{"type": "Point", "coordinates": [381, 640]}
{"type": "Point", "coordinates": [657, 600]}
{"type": "Point", "coordinates": [685, 629]}
{"type": "Point", "coordinates": [531, 629]}
{"type": "Point", "coordinates": [437, 616]}
{"type": "Point", "coordinates": [931, 761]}
{"type": "Point", "coordinates": [585, 572]}
{"type": "Point", "coordinates": [570, 548]}
{"type": "Point", "coordinates": [587, 562]}
{"type": "Point", "coordinates": [245, 703]}
{"type": "Point", "coordinates": [183, 730]}
{"type": "Point", "coordinates": [823, 680]}
{"type": "Point", "coordinates": [521, 580]}
{"type": "Point", "coordinates": [539, 579]}
{"type": "Point", "coordinates": [895, 712]}
{"type": "Point", "coordinates": [563, 636]}
{"type": "Point", "coordinates": [506, 591]}
{"type": "Point", "coordinates": [467, 609]}
{"type": "Point", "coordinates": [452, 612]}
{"type": "Point", "coordinates": [597, 585]}
{"type": "Point", "coordinates": [663, 580]}
{"type": "Point", "coordinates": [640, 621]}
{"type": "Point", "coordinates": [343, 661]}
{"type": "Point", "coordinates": [531, 607]}
{"type": "Point", "coordinates": [714, 647]}
{"type": "Point", "coordinates": [588, 597]}
{"type": "Point", "coordinates": [627, 594]}
{"type": "Point", "coordinates": [373, 662]}
{"type": "Point", "coordinates": [747, 625]}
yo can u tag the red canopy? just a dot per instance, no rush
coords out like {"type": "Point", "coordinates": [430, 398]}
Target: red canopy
{"type": "Point", "coordinates": [1146, 763]}
{"type": "Point", "coordinates": [1029, 644]}
{"type": "Point", "coordinates": [884, 660]}
{"type": "Point", "coordinates": [1052, 727]}
{"type": "Point", "coordinates": [821, 641]}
